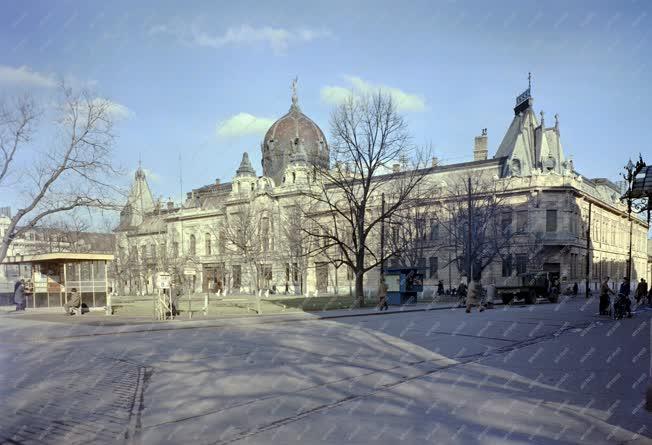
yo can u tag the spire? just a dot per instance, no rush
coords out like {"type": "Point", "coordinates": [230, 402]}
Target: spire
{"type": "Point", "coordinates": [524, 100]}
{"type": "Point", "coordinates": [245, 168]}
{"type": "Point", "coordinates": [139, 203]}
{"type": "Point", "coordinates": [542, 122]}
{"type": "Point", "coordinates": [295, 98]}
{"type": "Point", "coordinates": [557, 123]}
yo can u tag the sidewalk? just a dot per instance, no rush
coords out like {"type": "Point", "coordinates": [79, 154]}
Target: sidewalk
{"type": "Point", "coordinates": [40, 325]}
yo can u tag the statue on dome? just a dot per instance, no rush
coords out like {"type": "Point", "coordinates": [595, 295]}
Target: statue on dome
{"type": "Point", "coordinates": [295, 98]}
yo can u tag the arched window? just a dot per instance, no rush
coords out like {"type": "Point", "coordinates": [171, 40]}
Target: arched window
{"type": "Point", "coordinates": [207, 241]}
{"type": "Point", "coordinates": [294, 177]}
{"type": "Point", "coordinates": [193, 245]}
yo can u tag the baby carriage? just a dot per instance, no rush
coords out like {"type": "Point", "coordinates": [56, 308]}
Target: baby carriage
{"type": "Point", "coordinates": [622, 307]}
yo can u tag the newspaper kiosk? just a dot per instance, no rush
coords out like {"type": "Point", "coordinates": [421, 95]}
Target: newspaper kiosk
{"type": "Point", "coordinates": [403, 284]}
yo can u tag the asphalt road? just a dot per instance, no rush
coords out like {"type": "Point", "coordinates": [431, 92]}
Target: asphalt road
{"type": "Point", "coordinates": [528, 374]}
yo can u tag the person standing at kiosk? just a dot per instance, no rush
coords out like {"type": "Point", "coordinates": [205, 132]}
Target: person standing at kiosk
{"type": "Point", "coordinates": [382, 294]}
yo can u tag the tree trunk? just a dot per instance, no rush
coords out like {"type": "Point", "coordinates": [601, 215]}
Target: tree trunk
{"type": "Point", "coordinates": [4, 247]}
{"type": "Point", "coordinates": [359, 289]}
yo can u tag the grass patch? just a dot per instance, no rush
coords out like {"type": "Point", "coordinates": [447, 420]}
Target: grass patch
{"type": "Point", "coordinates": [323, 303]}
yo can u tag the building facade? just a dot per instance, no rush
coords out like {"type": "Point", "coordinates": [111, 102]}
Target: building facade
{"type": "Point", "coordinates": [238, 236]}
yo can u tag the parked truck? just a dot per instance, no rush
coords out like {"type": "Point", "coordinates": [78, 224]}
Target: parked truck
{"type": "Point", "coordinates": [528, 286]}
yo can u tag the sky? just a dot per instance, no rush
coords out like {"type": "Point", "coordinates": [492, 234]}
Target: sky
{"type": "Point", "coordinates": [196, 83]}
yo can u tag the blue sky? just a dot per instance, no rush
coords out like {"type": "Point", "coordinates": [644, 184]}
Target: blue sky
{"type": "Point", "coordinates": [180, 71]}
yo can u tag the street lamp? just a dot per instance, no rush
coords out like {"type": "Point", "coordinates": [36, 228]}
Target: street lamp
{"type": "Point", "coordinates": [631, 170]}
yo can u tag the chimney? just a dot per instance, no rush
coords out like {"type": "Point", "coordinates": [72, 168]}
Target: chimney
{"type": "Point", "coordinates": [396, 168]}
{"type": "Point", "coordinates": [217, 182]}
{"type": "Point", "coordinates": [435, 161]}
{"type": "Point", "coordinates": [170, 204]}
{"type": "Point", "coordinates": [480, 147]}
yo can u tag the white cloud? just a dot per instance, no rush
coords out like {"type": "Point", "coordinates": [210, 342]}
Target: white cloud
{"type": "Point", "coordinates": [335, 95]}
{"type": "Point", "coordinates": [278, 39]}
{"type": "Point", "coordinates": [243, 124]}
{"type": "Point", "coordinates": [24, 76]}
{"type": "Point", "coordinates": [115, 110]}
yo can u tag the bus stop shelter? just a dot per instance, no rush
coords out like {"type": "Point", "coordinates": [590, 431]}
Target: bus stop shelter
{"type": "Point", "coordinates": [50, 277]}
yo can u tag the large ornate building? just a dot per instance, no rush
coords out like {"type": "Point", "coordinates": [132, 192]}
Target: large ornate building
{"type": "Point", "coordinates": [546, 193]}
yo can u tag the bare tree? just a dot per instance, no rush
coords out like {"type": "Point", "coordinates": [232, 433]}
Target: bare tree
{"type": "Point", "coordinates": [369, 138]}
{"type": "Point", "coordinates": [71, 172]}
{"type": "Point", "coordinates": [410, 234]}
{"type": "Point", "coordinates": [297, 246]}
{"type": "Point", "coordinates": [246, 234]}
{"type": "Point", "coordinates": [477, 218]}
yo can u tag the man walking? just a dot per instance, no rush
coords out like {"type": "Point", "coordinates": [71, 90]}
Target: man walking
{"type": "Point", "coordinates": [474, 295]}
{"type": "Point", "coordinates": [622, 305]}
{"type": "Point", "coordinates": [641, 291]}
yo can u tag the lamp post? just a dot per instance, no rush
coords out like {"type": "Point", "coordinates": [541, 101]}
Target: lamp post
{"type": "Point", "coordinates": [631, 170]}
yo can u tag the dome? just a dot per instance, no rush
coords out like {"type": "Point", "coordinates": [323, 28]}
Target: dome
{"type": "Point", "coordinates": [292, 133]}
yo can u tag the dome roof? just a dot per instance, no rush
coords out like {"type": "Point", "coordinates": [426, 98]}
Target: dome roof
{"type": "Point", "coordinates": [293, 133]}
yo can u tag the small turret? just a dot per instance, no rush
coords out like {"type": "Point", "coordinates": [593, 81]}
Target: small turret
{"type": "Point", "coordinates": [245, 168]}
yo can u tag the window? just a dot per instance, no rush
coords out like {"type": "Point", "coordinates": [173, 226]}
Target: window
{"type": "Point", "coordinates": [175, 249]}
{"type": "Point", "coordinates": [221, 243]}
{"type": "Point", "coordinates": [434, 231]}
{"type": "Point", "coordinates": [521, 263]}
{"type": "Point", "coordinates": [434, 266]}
{"type": "Point", "coordinates": [287, 272]}
{"type": "Point", "coordinates": [207, 242]}
{"type": "Point", "coordinates": [295, 272]}
{"type": "Point", "coordinates": [164, 249]}
{"type": "Point", "coordinates": [507, 266]}
{"type": "Point", "coordinates": [506, 221]}
{"type": "Point", "coordinates": [237, 276]}
{"type": "Point", "coordinates": [421, 228]}
{"type": "Point", "coordinates": [193, 245]}
{"type": "Point", "coordinates": [152, 251]}
{"type": "Point", "coordinates": [551, 220]}
{"type": "Point", "coordinates": [521, 221]}
{"type": "Point", "coordinates": [143, 252]}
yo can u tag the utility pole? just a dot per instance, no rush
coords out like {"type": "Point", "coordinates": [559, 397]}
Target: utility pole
{"type": "Point", "coordinates": [588, 252]}
{"type": "Point", "coordinates": [382, 235]}
{"type": "Point", "coordinates": [470, 234]}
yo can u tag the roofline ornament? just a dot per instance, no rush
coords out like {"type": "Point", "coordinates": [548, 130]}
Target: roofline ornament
{"type": "Point", "coordinates": [295, 97]}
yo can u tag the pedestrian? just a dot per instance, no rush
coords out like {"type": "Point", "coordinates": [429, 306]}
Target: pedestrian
{"type": "Point", "coordinates": [624, 287]}
{"type": "Point", "coordinates": [74, 301]}
{"type": "Point", "coordinates": [474, 295]}
{"type": "Point", "coordinates": [641, 291]}
{"type": "Point", "coordinates": [491, 295]}
{"type": "Point", "coordinates": [622, 305]}
{"type": "Point", "coordinates": [440, 288]}
{"type": "Point", "coordinates": [461, 293]}
{"type": "Point", "coordinates": [382, 294]}
{"type": "Point", "coordinates": [19, 295]}
{"type": "Point", "coordinates": [576, 289]}
{"type": "Point", "coordinates": [605, 290]}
